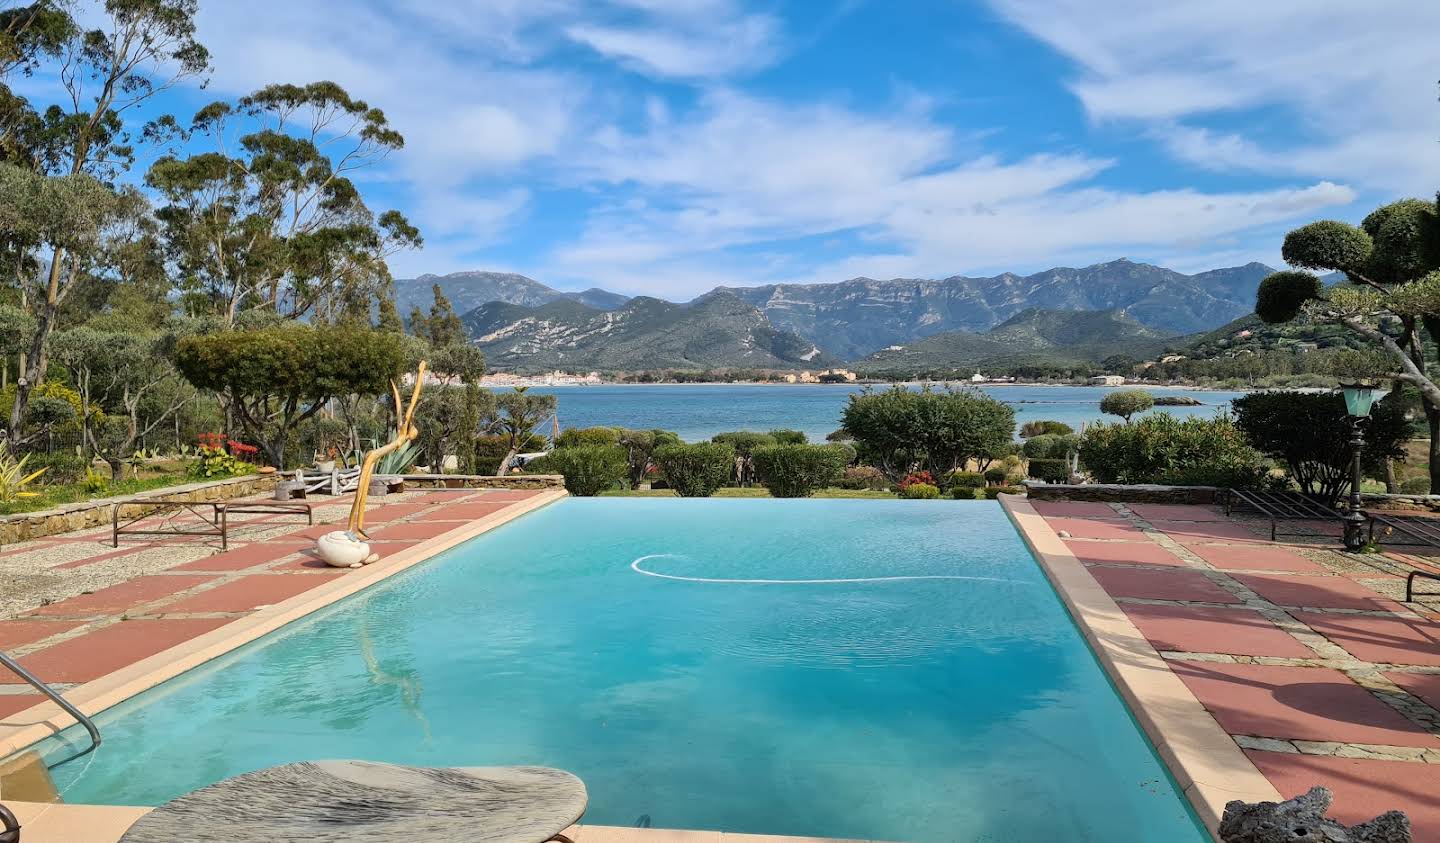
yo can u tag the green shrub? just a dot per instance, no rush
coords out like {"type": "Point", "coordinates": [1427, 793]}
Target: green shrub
{"type": "Point", "coordinates": [996, 475]}
{"type": "Point", "coordinates": [744, 442]}
{"type": "Point", "coordinates": [60, 468]}
{"type": "Point", "coordinates": [1415, 486]}
{"type": "Point", "coordinates": [937, 431]}
{"type": "Point", "coordinates": [1037, 428]}
{"type": "Point", "coordinates": [696, 471]}
{"type": "Point", "coordinates": [864, 477]}
{"type": "Point", "coordinates": [1050, 470]}
{"type": "Point", "coordinates": [1048, 446]}
{"type": "Point", "coordinates": [993, 492]}
{"type": "Point", "coordinates": [588, 469]}
{"type": "Point", "coordinates": [577, 436]}
{"type": "Point", "coordinates": [95, 483]}
{"type": "Point", "coordinates": [785, 436]}
{"type": "Point", "coordinates": [1163, 449]}
{"type": "Point", "coordinates": [966, 493]}
{"type": "Point", "coordinates": [1126, 403]}
{"type": "Point", "coordinates": [490, 450]}
{"type": "Point", "coordinates": [798, 471]}
{"type": "Point", "coordinates": [967, 479]}
{"type": "Point", "coordinates": [1309, 432]}
{"type": "Point", "coordinates": [920, 491]}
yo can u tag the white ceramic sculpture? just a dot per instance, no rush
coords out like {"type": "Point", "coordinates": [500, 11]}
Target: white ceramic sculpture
{"type": "Point", "coordinates": [343, 550]}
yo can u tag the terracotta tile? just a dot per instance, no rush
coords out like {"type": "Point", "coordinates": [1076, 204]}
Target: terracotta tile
{"type": "Point", "coordinates": [246, 593]}
{"type": "Point", "coordinates": [102, 555]}
{"type": "Point", "coordinates": [18, 633]}
{"type": "Point", "coordinates": [1074, 509]}
{"type": "Point", "coordinates": [1426, 686]}
{"type": "Point", "coordinates": [1305, 703]}
{"type": "Point", "coordinates": [1320, 592]}
{"type": "Point", "coordinates": [1097, 528]}
{"type": "Point", "coordinates": [508, 495]}
{"type": "Point", "coordinates": [1190, 532]}
{"type": "Point", "coordinates": [15, 703]}
{"type": "Point", "coordinates": [469, 511]}
{"type": "Point", "coordinates": [240, 558]}
{"type": "Point", "coordinates": [416, 530]}
{"type": "Point", "coordinates": [444, 497]}
{"type": "Point", "coordinates": [309, 560]}
{"type": "Point", "coordinates": [1259, 557]}
{"type": "Point", "coordinates": [1206, 629]}
{"type": "Point", "coordinates": [310, 534]}
{"type": "Point", "coordinates": [1139, 553]}
{"type": "Point", "coordinates": [126, 595]}
{"type": "Point", "coordinates": [1364, 789]}
{"type": "Point", "coordinates": [1382, 640]}
{"type": "Point", "coordinates": [1177, 512]}
{"type": "Point", "coordinates": [106, 650]}
{"type": "Point", "coordinates": [394, 511]}
{"type": "Point", "coordinates": [1161, 584]}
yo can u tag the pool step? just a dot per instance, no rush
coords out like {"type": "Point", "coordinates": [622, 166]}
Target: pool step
{"type": "Point", "coordinates": [25, 778]}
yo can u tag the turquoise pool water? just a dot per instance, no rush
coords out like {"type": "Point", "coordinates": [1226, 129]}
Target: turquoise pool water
{"type": "Point", "coordinates": [951, 700]}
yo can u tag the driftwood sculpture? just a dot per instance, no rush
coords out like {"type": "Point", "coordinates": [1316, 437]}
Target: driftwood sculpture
{"type": "Point", "coordinates": [1303, 819]}
{"type": "Point", "coordinates": [405, 433]}
{"type": "Point", "coordinates": [350, 548]}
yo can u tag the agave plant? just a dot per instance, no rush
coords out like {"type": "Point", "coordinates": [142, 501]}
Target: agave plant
{"type": "Point", "coordinates": [399, 460]}
{"type": "Point", "coordinates": [13, 478]}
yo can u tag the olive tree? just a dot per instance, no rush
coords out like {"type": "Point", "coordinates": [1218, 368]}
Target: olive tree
{"type": "Point", "coordinates": [515, 416]}
{"type": "Point", "coordinates": [1390, 297]}
{"type": "Point", "coordinates": [901, 430]}
{"type": "Point", "coordinates": [1126, 403]}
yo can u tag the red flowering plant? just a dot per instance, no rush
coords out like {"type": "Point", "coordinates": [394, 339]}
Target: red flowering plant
{"type": "Point", "coordinates": [220, 456]}
{"type": "Point", "coordinates": [915, 477]}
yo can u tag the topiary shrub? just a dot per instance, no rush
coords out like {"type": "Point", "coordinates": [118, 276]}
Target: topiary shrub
{"type": "Point", "coordinates": [1166, 450]}
{"type": "Point", "coordinates": [993, 492]}
{"type": "Point", "coordinates": [1048, 446]}
{"type": "Point", "coordinates": [1042, 426]}
{"type": "Point", "coordinates": [797, 471]}
{"type": "Point", "coordinates": [864, 477]}
{"type": "Point", "coordinates": [588, 469]}
{"type": "Point", "coordinates": [1050, 470]}
{"type": "Point", "coordinates": [1415, 486]}
{"type": "Point", "coordinates": [920, 492]}
{"type": "Point", "coordinates": [996, 475]}
{"type": "Point", "coordinates": [1126, 403]}
{"type": "Point", "coordinates": [967, 479]}
{"type": "Point", "coordinates": [784, 436]}
{"type": "Point", "coordinates": [696, 471]}
{"type": "Point", "coordinates": [966, 493]}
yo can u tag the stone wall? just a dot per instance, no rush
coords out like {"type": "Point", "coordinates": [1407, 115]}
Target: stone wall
{"type": "Point", "coordinates": [93, 513]}
{"type": "Point", "coordinates": [484, 481]}
{"type": "Point", "coordinates": [1115, 493]}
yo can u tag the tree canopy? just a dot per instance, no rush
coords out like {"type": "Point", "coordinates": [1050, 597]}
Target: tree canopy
{"type": "Point", "coordinates": [902, 430]}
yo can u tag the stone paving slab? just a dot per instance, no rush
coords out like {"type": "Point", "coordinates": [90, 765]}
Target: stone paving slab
{"type": "Point", "coordinates": [1161, 584]}
{"type": "Point", "coordinates": [94, 654]}
{"type": "Point", "coordinates": [1304, 703]}
{"type": "Point", "coordinates": [1363, 789]}
{"type": "Point", "coordinates": [244, 594]}
{"type": "Point", "coordinates": [1255, 558]}
{"type": "Point", "coordinates": [14, 703]}
{"type": "Point", "coordinates": [1129, 553]}
{"type": "Point", "coordinates": [1097, 528]}
{"type": "Point", "coordinates": [1177, 512]}
{"type": "Point", "coordinates": [18, 633]}
{"type": "Point", "coordinates": [1191, 532]}
{"type": "Point", "coordinates": [470, 511]}
{"type": "Point", "coordinates": [1380, 640]}
{"type": "Point", "coordinates": [1425, 686]}
{"type": "Point", "coordinates": [1323, 592]}
{"type": "Point", "coordinates": [125, 595]}
{"type": "Point", "coordinates": [240, 558]}
{"type": "Point", "coordinates": [1207, 629]}
{"type": "Point", "coordinates": [1073, 509]}
{"type": "Point", "coordinates": [414, 530]}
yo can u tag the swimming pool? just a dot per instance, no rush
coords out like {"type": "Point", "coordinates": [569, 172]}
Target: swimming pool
{"type": "Point", "coordinates": [922, 684]}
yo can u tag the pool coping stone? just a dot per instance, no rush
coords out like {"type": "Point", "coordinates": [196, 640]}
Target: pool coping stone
{"type": "Point", "coordinates": [1206, 763]}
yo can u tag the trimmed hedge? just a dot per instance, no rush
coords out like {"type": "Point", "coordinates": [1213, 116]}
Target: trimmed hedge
{"type": "Point", "coordinates": [864, 477]}
{"type": "Point", "coordinates": [588, 469]}
{"type": "Point", "coordinates": [967, 479]}
{"type": "Point", "coordinates": [1160, 448]}
{"type": "Point", "coordinates": [1036, 428]}
{"type": "Point", "coordinates": [920, 491]}
{"type": "Point", "coordinates": [798, 471]}
{"type": "Point", "coordinates": [966, 493]}
{"type": "Point", "coordinates": [1050, 470]}
{"type": "Point", "coordinates": [997, 475]}
{"type": "Point", "coordinates": [696, 471]}
{"type": "Point", "coordinates": [576, 436]}
{"type": "Point", "coordinates": [994, 492]}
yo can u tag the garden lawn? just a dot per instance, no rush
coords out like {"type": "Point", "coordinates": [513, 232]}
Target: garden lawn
{"type": "Point", "coordinates": [53, 496]}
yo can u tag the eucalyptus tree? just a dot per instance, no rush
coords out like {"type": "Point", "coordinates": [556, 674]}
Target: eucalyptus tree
{"type": "Point", "coordinates": [138, 49]}
{"type": "Point", "coordinates": [270, 216]}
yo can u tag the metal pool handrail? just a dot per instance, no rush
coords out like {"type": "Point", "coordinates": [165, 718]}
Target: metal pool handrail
{"type": "Point", "coordinates": [55, 697]}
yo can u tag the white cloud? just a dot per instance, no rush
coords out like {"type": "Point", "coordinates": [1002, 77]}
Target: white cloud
{"type": "Point", "coordinates": [684, 39]}
{"type": "Point", "coordinates": [1331, 89]}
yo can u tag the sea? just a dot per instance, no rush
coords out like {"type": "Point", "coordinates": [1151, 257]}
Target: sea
{"type": "Point", "coordinates": [698, 411]}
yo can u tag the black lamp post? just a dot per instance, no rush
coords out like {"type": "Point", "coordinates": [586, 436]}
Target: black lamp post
{"type": "Point", "coordinates": [1359, 398]}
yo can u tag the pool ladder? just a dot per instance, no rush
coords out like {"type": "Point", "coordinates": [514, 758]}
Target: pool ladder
{"type": "Point", "coordinates": [55, 697]}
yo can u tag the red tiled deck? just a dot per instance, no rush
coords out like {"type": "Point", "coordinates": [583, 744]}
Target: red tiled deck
{"type": "Point", "coordinates": [136, 592]}
{"type": "Point", "coordinates": [112, 647]}
{"type": "Point", "coordinates": [19, 633]}
{"type": "Point", "coordinates": [245, 593]}
{"type": "Point", "coordinates": [1342, 687]}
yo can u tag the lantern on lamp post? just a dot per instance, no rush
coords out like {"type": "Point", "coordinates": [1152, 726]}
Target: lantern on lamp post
{"type": "Point", "coordinates": [1359, 398]}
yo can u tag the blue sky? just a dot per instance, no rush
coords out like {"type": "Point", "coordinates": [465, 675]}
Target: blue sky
{"type": "Point", "coordinates": [666, 146]}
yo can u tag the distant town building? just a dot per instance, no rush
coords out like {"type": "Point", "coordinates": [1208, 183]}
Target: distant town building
{"type": "Point", "coordinates": [1107, 380]}
{"type": "Point", "coordinates": [978, 378]}
{"type": "Point", "coordinates": [789, 378]}
{"type": "Point", "coordinates": [837, 376]}
{"type": "Point", "coordinates": [809, 377]}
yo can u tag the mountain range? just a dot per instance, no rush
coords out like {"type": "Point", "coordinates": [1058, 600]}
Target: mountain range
{"type": "Point", "coordinates": [522, 323]}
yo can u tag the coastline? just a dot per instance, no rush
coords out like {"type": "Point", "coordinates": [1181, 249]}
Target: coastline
{"type": "Point", "coordinates": [853, 384]}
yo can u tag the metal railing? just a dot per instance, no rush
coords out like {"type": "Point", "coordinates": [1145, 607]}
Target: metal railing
{"type": "Point", "coordinates": [80, 717]}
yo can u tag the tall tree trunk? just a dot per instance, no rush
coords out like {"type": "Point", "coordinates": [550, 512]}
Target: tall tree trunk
{"type": "Point", "coordinates": [1432, 415]}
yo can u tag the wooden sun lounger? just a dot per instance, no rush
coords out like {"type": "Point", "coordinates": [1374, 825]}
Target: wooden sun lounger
{"type": "Point", "coordinates": [1280, 506]}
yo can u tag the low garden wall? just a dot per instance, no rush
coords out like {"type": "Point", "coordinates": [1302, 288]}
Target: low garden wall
{"type": "Point", "coordinates": [484, 481]}
{"type": "Point", "coordinates": [1115, 493]}
{"type": "Point", "coordinates": [93, 513]}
